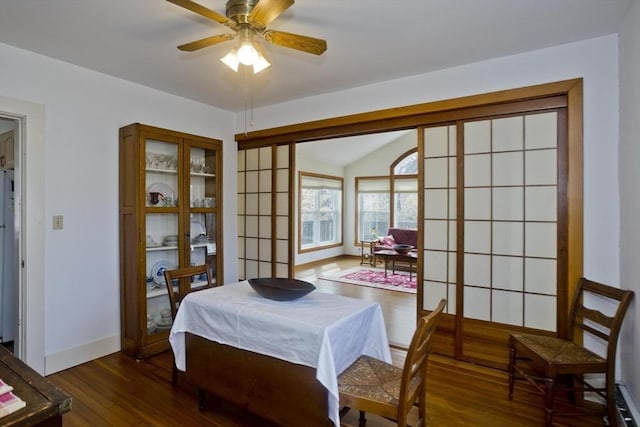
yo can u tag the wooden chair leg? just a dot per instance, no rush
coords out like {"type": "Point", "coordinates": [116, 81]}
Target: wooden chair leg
{"type": "Point", "coordinates": [174, 372]}
{"type": "Point", "coordinates": [548, 403]}
{"type": "Point", "coordinates": [362, 421]}
{"type": "Point", "coordinates": [174, 376]}
{"type": "Point", "coordinates": [201, 399]}
{"type": "Point", "coordinates": [512, 370]}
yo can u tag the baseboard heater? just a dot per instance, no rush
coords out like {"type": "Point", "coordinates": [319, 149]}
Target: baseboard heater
{"type": "Point", "coordinates": [627, 410]}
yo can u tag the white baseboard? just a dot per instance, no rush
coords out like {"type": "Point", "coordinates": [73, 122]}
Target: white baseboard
{"type": "Point", "coordinates": [78, 355]}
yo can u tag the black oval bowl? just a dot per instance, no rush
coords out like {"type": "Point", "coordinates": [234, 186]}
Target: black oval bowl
{"type": "Point", "coordinates": [402, 249]}
{"type": "Point", "coordinates": [281, 288]}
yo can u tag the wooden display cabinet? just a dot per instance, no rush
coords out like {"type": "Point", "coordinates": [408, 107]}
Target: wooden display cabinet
{"type": "Point", "coordinates": [170, 189]}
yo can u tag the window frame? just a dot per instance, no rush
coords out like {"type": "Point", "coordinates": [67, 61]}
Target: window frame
{"type": "Point", "coordinates": [339, 228]}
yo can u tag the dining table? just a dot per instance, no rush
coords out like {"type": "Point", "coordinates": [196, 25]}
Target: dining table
{"type": "Point", "coordinates": [318, 335]}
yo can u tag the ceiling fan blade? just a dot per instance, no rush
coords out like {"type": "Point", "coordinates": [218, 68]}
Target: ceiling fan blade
{"type": "Point", "coordinates": [206, 42]}
{"type": "Point", "coordinates": [201, 10]}
{"type": "Point", "coordinates": [296, 41]}
{"type": "Point", "coordinates": [266, 11]}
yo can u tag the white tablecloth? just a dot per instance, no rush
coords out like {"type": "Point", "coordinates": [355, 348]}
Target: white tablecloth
{"type": "Point", "coordinates": [324, 331]}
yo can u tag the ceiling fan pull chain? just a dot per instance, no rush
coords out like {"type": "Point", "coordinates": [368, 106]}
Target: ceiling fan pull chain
{"type": "Point", "coordinates": [246, 97]}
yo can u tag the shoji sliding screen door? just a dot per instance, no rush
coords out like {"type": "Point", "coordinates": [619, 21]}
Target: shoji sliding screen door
{"type": "Point", "coordinates": [264, 212]}
{"type": "Point", "coordinates": [495, 228]}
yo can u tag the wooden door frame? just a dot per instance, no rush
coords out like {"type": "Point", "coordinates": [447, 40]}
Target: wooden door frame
{"type": "Point", "coordinates": [414, 116]}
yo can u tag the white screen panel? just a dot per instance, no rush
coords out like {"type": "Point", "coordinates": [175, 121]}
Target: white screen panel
{"type": "Point", "coordinates": [264, 203]}
{"type": "Point", "coordinates": [480, 308]}
{"type": "Point", "coordinates": [265, 157]}
{"type": "Point", "coordinates": [436, 142]}
{"type": "Point", "coordinates": [264, 185]}
{"type": "Point", "coordinates": [477, 236]}
{"type": "Point", "coordinates": [507, 238]}
{"type": "Point", "coordinates": [435, 266]}
{"type": "Point", "coordinates": [540, 312]}
{"type": "Point", "coordinates": [251, 204]}
{"type": "Point", "coordinates": [282, 153]}
{"type": "Point", "coordinates": [540, 275]}
{"type": "Point", "coordinates": [507, 273]}
{"type": "Point", "coordinates": [541, 203]}
{"type": "Point", "coordinates": [507, 134]}
{"type": "Point", "coordinates": [507, 203]}
{"type": "Point", "coordinates": [251, 248]}
{"type": "Point", "coordinates": [477, 137]}
{"type": "Point", "coordinates": [477, 170]}
{"type": "Point", "coordinates": [507, 169]}
{"type": "Point", "coordinates": [252, 159]}
{"type": "Point", "coordinates": [541, 131]}
{"type": "Point", "coordinates": [435, 173]}
{"type": "Point", "coordinates": [540, 167]}
{"type": "Point", "coordinates": [477, 270]}
{"type": "Point", "coordinates": [436, 234]}
{"type": "Point", "coordinates": [264, 230]}
{"type": "Point", "coordinates": [265, 250]}
{"type": "Point", "coordinates": [436, 202]}
{"type": "Point", "coordinates": [507, 307]}
{"type": "Point", "coordinates": [477, 203]}
{"type": "Point", "coordinates": [540, 239]}
{"type": "Point", "coordinates": [251, 226]}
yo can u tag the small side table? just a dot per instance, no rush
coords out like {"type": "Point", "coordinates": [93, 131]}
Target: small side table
{"type": "Point", "coordinates": [368, 257]}
{"type": "Point", "coordinates": [45, 401]}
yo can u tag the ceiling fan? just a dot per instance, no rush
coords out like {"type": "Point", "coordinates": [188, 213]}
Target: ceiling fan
{"type": "Point", "coordinates": [249, 18]}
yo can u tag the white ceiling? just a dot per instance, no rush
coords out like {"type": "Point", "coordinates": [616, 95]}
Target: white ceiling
{"type": "Point", "coordinates": [368, 40]}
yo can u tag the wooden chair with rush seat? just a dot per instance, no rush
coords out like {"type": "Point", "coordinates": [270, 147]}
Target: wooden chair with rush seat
{"type": "Point", "coordinates": [190, 279]}
{"type": "Point", "coordinates": [371, 385]}
{"type": "Point", "coordinates": [553, 364]}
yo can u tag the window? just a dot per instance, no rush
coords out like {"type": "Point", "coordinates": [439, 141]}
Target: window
{"type": "Point", "coordinates": [320, 216]}
{"type": "Point", "coordinates": [405, 203]}
{"type": "Point", "coordinates": [404, 172]}
{"type": "Point", "coordinates": [373, 206]}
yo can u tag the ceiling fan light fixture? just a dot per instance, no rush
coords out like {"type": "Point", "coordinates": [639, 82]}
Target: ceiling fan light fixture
{"type": "Point", "coordinates": [234, 58]}
{"type": "Point", "coordinates": [247, 54]}
{"type": "Point", "coordinates": [231, 60]}
{"type": "Point", "coordinates": [260, 64]}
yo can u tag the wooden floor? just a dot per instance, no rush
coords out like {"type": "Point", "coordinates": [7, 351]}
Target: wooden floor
{"type": "Point", "coordinates": [399, 308]}
{"type": "Point", "coordinates": [116, 390]}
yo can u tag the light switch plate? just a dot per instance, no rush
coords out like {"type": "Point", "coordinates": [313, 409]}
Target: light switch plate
{"type": "Point", "coordinates": [57, 222]}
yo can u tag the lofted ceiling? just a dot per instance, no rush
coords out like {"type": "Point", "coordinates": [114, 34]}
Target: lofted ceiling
{"type": "Point", "coordinates": [368, 40]}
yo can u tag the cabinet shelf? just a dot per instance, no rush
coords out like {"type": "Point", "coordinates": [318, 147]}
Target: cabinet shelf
{"type": "Point", "coordinates": [204, 175]}
{"type": "Point", "coordinates": [162, 171]}
{"type": "Point", "coordinates": [161, 248]}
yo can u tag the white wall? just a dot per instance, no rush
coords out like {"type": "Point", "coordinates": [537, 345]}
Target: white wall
{"type": "Point", "coordinates": [629, 176]}
{"type": "Point", "coordinates": [84, 111]}
{"type": "Point", "coordinates": [595, 60]}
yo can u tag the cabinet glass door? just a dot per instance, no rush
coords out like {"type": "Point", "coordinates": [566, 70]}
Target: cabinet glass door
{"type": "Point", "coordinates": [161, 228]}
{"type": "Point", "coordinates": [202, 208]}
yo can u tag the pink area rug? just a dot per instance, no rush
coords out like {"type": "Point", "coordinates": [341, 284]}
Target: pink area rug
{"type": "Point", "coordinates": [374, 277]}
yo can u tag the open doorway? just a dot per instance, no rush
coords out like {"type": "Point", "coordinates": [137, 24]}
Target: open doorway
{"type": "Point", "coordinates": [9, 235]}
{"type": "Point", "coordinates": [373, 199]}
